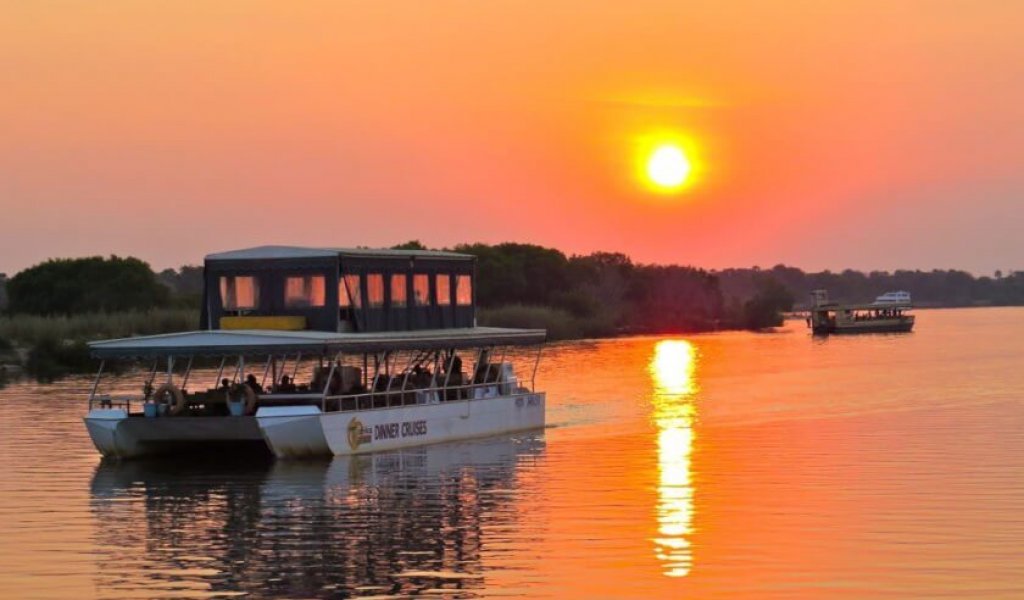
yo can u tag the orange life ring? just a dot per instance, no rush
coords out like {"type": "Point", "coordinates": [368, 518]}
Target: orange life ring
{"type": "Point", "coordinates": [172, 396]}
{"type": "Point", "coordinates": [241, 392]}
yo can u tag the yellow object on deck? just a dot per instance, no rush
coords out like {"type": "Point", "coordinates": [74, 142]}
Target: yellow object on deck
{"type": "Point", "coordinates": [277, 323]}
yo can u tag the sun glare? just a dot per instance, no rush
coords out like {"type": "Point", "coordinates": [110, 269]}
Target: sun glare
{"type": "Point", "coordinates": [668, 167]}
{"type": "Point", "coordinates": [673, 369]}
{"type": "Point", "coordinates": [667, 162]}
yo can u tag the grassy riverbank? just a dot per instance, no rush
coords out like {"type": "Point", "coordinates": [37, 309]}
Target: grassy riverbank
{"type": "Point", "coordinates": [29, 329]}
{"type": "Point", "coordinates": [51, 347]}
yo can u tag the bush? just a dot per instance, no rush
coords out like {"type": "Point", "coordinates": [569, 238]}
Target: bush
{"type": "Point", "coordinates": [51, 359]}
{"type": "Point", "coordinates": [57, 345]}
{"type": "Point", "coordinates": [81, 285]}
{"type": "Point", "coordinates": [766, 307]}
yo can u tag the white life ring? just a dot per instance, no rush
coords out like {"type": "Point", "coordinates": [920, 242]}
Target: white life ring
{"type": "Point", "coordinates": [171, 396]}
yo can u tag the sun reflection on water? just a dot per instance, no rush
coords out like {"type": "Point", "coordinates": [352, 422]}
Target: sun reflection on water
{"type": "Point", "coordinates": [672, 370]}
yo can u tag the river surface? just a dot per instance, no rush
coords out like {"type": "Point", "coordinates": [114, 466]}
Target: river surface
{"type": "Point", "coordinates": [721, 465]}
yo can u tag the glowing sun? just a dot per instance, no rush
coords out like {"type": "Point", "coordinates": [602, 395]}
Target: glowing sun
{"type": "Point", "coordinates": [668, 167]}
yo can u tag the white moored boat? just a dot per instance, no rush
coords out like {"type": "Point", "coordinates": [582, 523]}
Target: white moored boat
{"type": "Point", "coordinates": [389, 374]}
{"type": "Point", "coordinates": [897, 298]}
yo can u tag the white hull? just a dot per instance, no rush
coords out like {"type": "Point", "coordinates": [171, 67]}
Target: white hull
{"type": "Point", "coordinates": [300, 431]}
{"type": "Point", "coordinates": [117, 435]}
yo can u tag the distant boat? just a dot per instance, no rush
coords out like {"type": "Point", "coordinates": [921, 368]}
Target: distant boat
{"type": "Point", "coordinates": [901, 297]}
{"type": "Point", "coordinates": [887, 316]}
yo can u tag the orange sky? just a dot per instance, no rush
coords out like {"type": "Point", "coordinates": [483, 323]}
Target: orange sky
{"type": "Point", "coordinates": [874, 134]}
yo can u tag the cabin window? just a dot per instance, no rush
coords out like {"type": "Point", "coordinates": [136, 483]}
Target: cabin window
{"type": "Point", "coordinates": [349, 293]}
{"type": "Point", "coordinates": [239, 292]}
{"type": "Point", "coordinates": [375, 290]}
{"type": "Point", "coordinates": [421, 289]}
{"type": "Point", "coordinates": [398, 290]}
{"type": "Point", "coordinates": [464, 290]}
{"type": "Point", "coordinates": [304, 291]}
{"type": "Point", "coordinates": [444, 289]}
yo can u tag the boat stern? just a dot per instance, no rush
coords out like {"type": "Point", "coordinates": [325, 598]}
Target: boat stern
{"type": "Point", "coordinates": [293, 431]}
{"type": "Point", "coordinates": [102, 424]}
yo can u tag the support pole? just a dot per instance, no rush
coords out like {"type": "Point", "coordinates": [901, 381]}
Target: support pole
{"type": "Point", "coordinates": [327, 384]}
{"type": "Point", "coordinates": [220, 371]}
{"type": "Point", "coordinates": [96, 383]}
{"type": "Point", "coordinates": [536, 363]}
{"type": "Point", "coordinates": [266, 371]}
{"type": "Point", "coordinates": [147, 388]}
{"type": "Point", "coordinates": [188, 372]}
{"type": "Point", "coordinates": [448, 369]}
{"type": "Point", "coordinates": [405, 380]}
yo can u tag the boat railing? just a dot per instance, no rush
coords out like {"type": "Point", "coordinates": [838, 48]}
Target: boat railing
{"type": "Point", "coordinates": [368, 400]}
{"type": "Point", "coordinates": [113, 401]}
{"type": "Point", "coordinates": [423, 396]}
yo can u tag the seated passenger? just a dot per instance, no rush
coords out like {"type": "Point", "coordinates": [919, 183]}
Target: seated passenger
{"type": "Point", "coordinates": [419, 378]}
{"type": "Point", "coordinates": [286, 384]}
{"type": "Point", "coordinates": [225, 384]}
{"type": "Point", "coordinates": [335, 386]}
{"type": "Point", "coordinates": [451, 370]}
{"type": "Point", "coordinates": [250, 380]}
{"type": "Point", "coordinates": [319, 379]}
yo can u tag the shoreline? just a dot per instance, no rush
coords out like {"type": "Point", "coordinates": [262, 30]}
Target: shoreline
{"type": "Point", "coordinates": [49, 358]}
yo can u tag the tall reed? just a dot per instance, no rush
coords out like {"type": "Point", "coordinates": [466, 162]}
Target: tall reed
{"type": "Point", "coordinates": [27, 330]}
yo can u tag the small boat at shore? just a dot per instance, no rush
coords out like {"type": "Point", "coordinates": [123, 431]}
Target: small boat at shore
{"type": "Point", "coordinates": [882, 316]}
{"type": "Point", "coordinates": [319, 352]}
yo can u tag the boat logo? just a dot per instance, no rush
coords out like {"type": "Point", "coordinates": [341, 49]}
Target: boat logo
{"type": "Point", "coordinates": [357, 434]}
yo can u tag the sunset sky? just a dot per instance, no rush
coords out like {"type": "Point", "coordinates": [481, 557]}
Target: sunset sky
{"type": "Point", "coordinates": [823, 134]}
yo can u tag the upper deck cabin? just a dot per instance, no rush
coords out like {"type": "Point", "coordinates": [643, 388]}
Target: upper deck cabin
{"type": "Point", "coordinates": [338, 289]}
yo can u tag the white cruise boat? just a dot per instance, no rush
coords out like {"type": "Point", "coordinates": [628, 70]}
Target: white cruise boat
{"type": "Point", "coordinates": [318, 352]}
{"type": "Point", "coordinates": [901, 298]}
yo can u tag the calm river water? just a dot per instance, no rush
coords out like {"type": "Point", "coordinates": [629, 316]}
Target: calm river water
{"type": "Point", "coordinates": [733, 464]}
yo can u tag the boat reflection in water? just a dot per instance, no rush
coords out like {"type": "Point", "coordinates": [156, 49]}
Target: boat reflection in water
{"type": "Point", "coordinates": [388, 523]}
{"type": "Point", "coordinates": [672, 370]}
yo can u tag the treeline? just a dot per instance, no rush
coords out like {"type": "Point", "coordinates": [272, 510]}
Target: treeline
{"type": "Point", "coordinates": [936, 288]}
{"type": "Point", "coordinates": [606, 293]}
{"type": "Point", "coordinates": [606, 289]}
{"type": "Point", "coordinates": [521, 285]}
{"type": "Point", "coordinates": [74, 286]}
{"type": "Point", "coordinates": [50, 309]}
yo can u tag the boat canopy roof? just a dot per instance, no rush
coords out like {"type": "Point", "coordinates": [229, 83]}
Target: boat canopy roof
{"type": "Point", "coordinates": [290, 252]}
{"type": "Point", "coordinates": [222, 342]}
{"type": "Point", "coordinates": [867, 306]}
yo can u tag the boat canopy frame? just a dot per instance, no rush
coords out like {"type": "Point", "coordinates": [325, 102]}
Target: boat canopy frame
{"type": "Point", "coordinates": [315, 345]}
{"type": "Point", "coordinates": [220, 342]}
